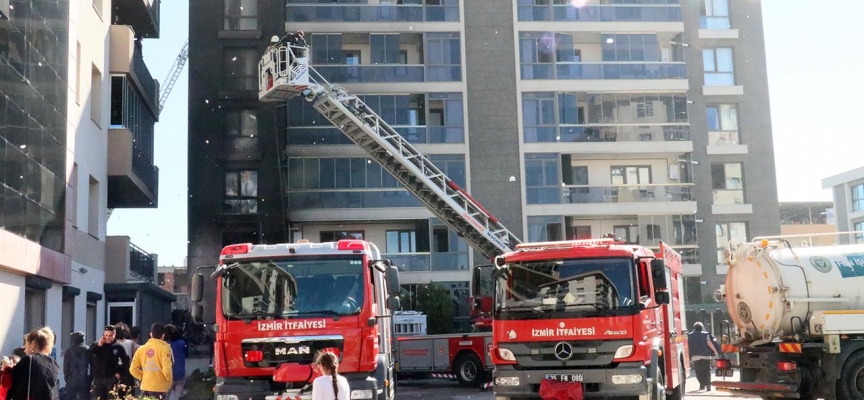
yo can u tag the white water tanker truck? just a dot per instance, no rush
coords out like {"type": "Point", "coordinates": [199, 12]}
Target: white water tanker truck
{"type": "Point", "coordinates": [799, 314]}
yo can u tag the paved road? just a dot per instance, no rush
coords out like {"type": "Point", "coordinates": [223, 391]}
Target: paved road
{"type": "Point", "coordinates": [438, 389]}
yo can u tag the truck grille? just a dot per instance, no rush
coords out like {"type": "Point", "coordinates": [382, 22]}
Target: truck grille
{"type": "Point", "coordinates": [294, 349]}
{"type": "Point", "coordinates": [585, 353]}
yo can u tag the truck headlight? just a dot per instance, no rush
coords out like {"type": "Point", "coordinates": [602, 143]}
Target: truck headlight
{"type": "Point", "coordinates": [624, 351]}
{"type": "Point", "coordinates": [361, 394]}
{"type": "Point", "coordinates": [626, 379]}
{"type": "Point", "coordinates": [226, 397]}
{"type": "Point", "coordinates": [506, 354]}
{"type": "Point", "coordinates": [507, 381]}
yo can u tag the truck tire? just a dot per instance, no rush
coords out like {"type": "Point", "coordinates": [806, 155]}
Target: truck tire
{"type": "Point", "coordinates": [678, 392]}
{"type": "Point", "coordinates": [850, 386]}
{"type": "Point", "coordinates": [468, 370]}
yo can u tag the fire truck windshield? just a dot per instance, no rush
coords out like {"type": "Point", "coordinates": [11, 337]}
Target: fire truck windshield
{"type": "Point", "coordinates": [547, 288]}
{"type": "Point", "coordinates": [296, 286]}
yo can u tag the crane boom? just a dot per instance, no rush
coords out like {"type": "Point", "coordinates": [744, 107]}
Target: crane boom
{"type": "Point", "coordinates": [174, 74]}
{"type": "Point", "coordinates": [284, 72]}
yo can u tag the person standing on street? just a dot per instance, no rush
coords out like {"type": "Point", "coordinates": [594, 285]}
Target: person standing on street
{"type": "Point", "coordinates": [702, 350]}
{"type": "Point", "coordinates": [76, 363]}
{"type": "Point", "coordinates": [108, 360]}
{"type": "Point", "coordinates": [35, 375]}
{"type": "Point", "coordinates": [153, 365]}
{"type": "Point", "coordinates": [180, 350]}
{"type": "Point", "coordinates": [330, 385]}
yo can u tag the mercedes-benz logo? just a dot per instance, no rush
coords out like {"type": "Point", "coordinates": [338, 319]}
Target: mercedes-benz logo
{"type": "Point", "coordinates": [563, 351]}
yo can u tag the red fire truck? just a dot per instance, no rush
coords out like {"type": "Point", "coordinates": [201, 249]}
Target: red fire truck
{"type": "Point", "coordinates": [589, 316]}
{"type": "Point", "coordinates": [278, 305]}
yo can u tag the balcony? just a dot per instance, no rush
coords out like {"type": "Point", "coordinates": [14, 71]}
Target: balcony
{"type": "Point", "coordinates": [127, 263]}
{"type": "Point", "coordinates": [141, 15]}
{"type": "Point", "coordinates": [646, 230]}
{"type": "Point", "coordinates": [428, 262]}
{"type": "Point", "coordinates": [606, 133]}
{"type": "Point", "coordinates": [390, 73]}
{"type": "Point", "coordinates": [601, 13]}
{"type": "Point", "coordinates": [372, 13]}
{"type": "Point", "coordinates": [133, 180]}
{"type": "Point", "coordinates": [603, 70]}
{"type": "Point", "coordinates": [582, 194]}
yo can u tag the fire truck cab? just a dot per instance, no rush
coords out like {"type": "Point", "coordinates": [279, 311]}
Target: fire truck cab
{"type": "Point", "coordinates": [595, 317]}
{"type": "Point", "coordinates": [278, 305]}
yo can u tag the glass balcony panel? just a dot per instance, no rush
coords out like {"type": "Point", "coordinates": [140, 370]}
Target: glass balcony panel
{"type": "Point", "coordinates": [608, 133]}
{"type": "Point", "coordinates": [413, 262]}
{"type": "Point", "coordinates": [330, 199]}
{"type": "Point", "coordinates": [714, 23]}
{"type": "Point", "coordinates": [588, 194]}
{"type": "Point", "coordinates": [728, 196]}
{"type": "Point", "coordinates": [719, 79]}
{"type": "Point", "coordinates": [449, 261]}
{"type": "Point", "coordinates": [723, 138]}
{"type": "Point", "coordinates": [372, 73]}
{"type": "Point", "coordinates": [622, 70]}
{"type": "Point", "coordinates": [371, 13]}
{"type": "Point", "coordinates": [570, 13]}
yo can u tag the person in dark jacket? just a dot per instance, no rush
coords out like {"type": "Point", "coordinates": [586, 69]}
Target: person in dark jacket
{"type": "Point", "coordinates": [108, 361]}
{"type": "Point", "coordinates": [179, 350]}
{"type": "Point", "coordinates": [76, 364]}
{"type": "Point", "coordinates": [702, 350]}
{"type": "Point", "coordinates": [35, 375]}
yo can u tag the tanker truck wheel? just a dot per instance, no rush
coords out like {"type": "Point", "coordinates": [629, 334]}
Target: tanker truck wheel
{"type": "Point", "coordinates": [850, 386]}
{"type": "Point", "coordinates": [468, 370]}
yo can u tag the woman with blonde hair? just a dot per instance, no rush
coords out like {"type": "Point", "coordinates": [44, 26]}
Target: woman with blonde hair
{"type": "Point", "coordinates": [35, 375]}
{"type": "Point", "coordinates": [331, 385]}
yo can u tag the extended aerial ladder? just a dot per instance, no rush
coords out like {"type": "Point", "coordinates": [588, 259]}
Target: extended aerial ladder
{"type": "Point", "coordinates": [284, 72]}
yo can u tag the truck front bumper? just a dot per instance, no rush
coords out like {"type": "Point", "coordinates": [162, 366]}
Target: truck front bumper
{"type": "Point", "coordinates": [362, 386]}
{"type": "Point", "coordinates": [510, 382]}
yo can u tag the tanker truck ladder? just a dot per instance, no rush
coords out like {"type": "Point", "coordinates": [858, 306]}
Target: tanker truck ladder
{"type": "Point", "coordinates": [280, 80]}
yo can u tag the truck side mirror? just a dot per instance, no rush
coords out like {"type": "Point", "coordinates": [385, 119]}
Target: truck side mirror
{"type": "Point", "coordinates": [393, 303]}
{"type": "Point", "coordinates": [197, 292]}
{"type": "Point", "coordinates": [658, 272]}
{"type": "Point", "coordinates": [661, 297]}
{"type": "Point", "coordinates": [197, 312]}
{"type": "Point", "coordinates": [391, 275]}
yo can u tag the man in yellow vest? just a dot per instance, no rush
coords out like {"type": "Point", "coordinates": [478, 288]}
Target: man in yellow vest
{"type": "Point", "coordinates": [152, 365]}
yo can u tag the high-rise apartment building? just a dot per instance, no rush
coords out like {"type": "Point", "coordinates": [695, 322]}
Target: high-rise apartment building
{"type": "Point", "coordinates": [566, 119]}
{"type": "Point", "coordinates": [77, 110]}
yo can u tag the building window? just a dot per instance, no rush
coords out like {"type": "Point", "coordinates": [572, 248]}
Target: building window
{"type": "Point", "coordinates": [632, 175]}
{"type": "Point", "coordinates": [91, 322]}
{"type": "Point", "coordinates": [722, 124]}
{"type": "Point", "coordinates": [726, 232]}
{"type": "Point", "coordinates": [718, 66]}
{"type": "Point", "coordinates": [34, 309]}
{"type": "Point", "coordinates": [542, 179]}
{"type": "Point", "coordinates": [241, 129]}
{"type": "Point", "coordinates": [240, 69]}
{"type": "Point", "coordinates": [545, 229]}
{"type": "Point", "coordinates": [715, 14]}
{"type": "Point", "coordinates": [96, 95]}
{"type": "Point", "coordinates": [624, 47]}
{"type": "Point", "coordinates": [241, 192]}
{"type": "Point", "coordinates": [859, 237]}
{"type": "Point", "coordinates": [241, 15]}
{"type": "Point", "coordinates": [401, 241]}
{"type": "Point", "coordinates": [579, 232]}
{"type": "Point", "coordinates": [93, 207]}
{"type": "Point", "coordinates": [67, 319]}
{"type": "Point", "coordinates": [858, 197]}
{"type": "Point", "coordinates": [654, 232]}
{"type": "Point", "coordinates": [728, 183]}
{"type": "Point", "coordinates": [443, 57]}
{"type": "Point", "coordinates": [335, 236]}
{"type": "Point", "coordinates": [627, 233]}
{"type": "Point", "coordinates": [352, 57]}
{"type": "Point", "coordinates": [693, 290]}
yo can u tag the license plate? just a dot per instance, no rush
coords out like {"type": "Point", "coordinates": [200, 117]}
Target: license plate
{"type": "Point", "coordinates": [565, 377]}
{"type": "Point", "coordinates": [724, 373]}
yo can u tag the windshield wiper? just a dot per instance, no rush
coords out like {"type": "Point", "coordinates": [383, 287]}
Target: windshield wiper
{"type": "Point", "coordinates": [597, 306]}
{"type": "Point", "coordinates": [326, 312]}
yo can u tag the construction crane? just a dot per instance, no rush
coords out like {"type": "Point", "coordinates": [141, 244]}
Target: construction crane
{"type": "Point", "coordinates": [174, 74]}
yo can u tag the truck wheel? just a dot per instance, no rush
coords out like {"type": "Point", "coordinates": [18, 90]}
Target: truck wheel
{"type": "Point", "coordinates": [468, 370]}
{"type": "Point", "coordinates": [850, 386]}
{"type": "Point", "coordinates": [678, 392]}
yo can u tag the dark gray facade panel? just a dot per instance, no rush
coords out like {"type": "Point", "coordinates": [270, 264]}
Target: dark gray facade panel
{"type": "Point", "coordinates": [490, 54]}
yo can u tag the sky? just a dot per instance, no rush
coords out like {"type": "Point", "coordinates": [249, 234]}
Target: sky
{"type": "Point", "coordinates": [814, 71]}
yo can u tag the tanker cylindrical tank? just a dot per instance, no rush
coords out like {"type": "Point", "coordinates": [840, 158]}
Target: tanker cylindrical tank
{"type": "Point", "coordinates": [772, 291]}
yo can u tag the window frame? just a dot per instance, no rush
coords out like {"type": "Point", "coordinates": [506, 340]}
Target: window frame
{"type": "Point", "coordinates": [248, 80]}
{"type": "Point", "coordinates": [411, 244]}
{"type": "Point", "coordinates": [251, 201]}
{"type": "Point", "coordinates": [240, 17]}
{"type": "Point", "coordinates": [857, 194]}
{"type": "Point", "coordinates": [713, 70]}
{"type": "Point", "coordinates": [726, 227]}
{"type": "Point", "coordinates": [723, 133]}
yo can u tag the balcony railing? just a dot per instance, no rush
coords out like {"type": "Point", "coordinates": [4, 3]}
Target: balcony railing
{"type": "Point", "coordinates": [371, 13]}
{"type": "Point", "coordinates": [139, 68]}
{"type": "Point", "coordinates": [729, 196]}
{"type": "Point", "coordinates": [586, 194]}
{"type": "Point", "coordinates": [141, 263]}
{"type": "Point", "coordinates": [714, 23]}
{"type": "Point", "coordinates": [390, 73]}
{"type": "Point", "coordinates": [606, 133]}
{"type": "Point", "coordinates": [426, 262]}
{"type": "Point", "coordinates": [607, 13]}
{"type": "Point", "coordinates": [350, 198]}
{"type": "Point", "coordinates": [317, 135]}
{"type": "Point", "coordinates": [604, 70]}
